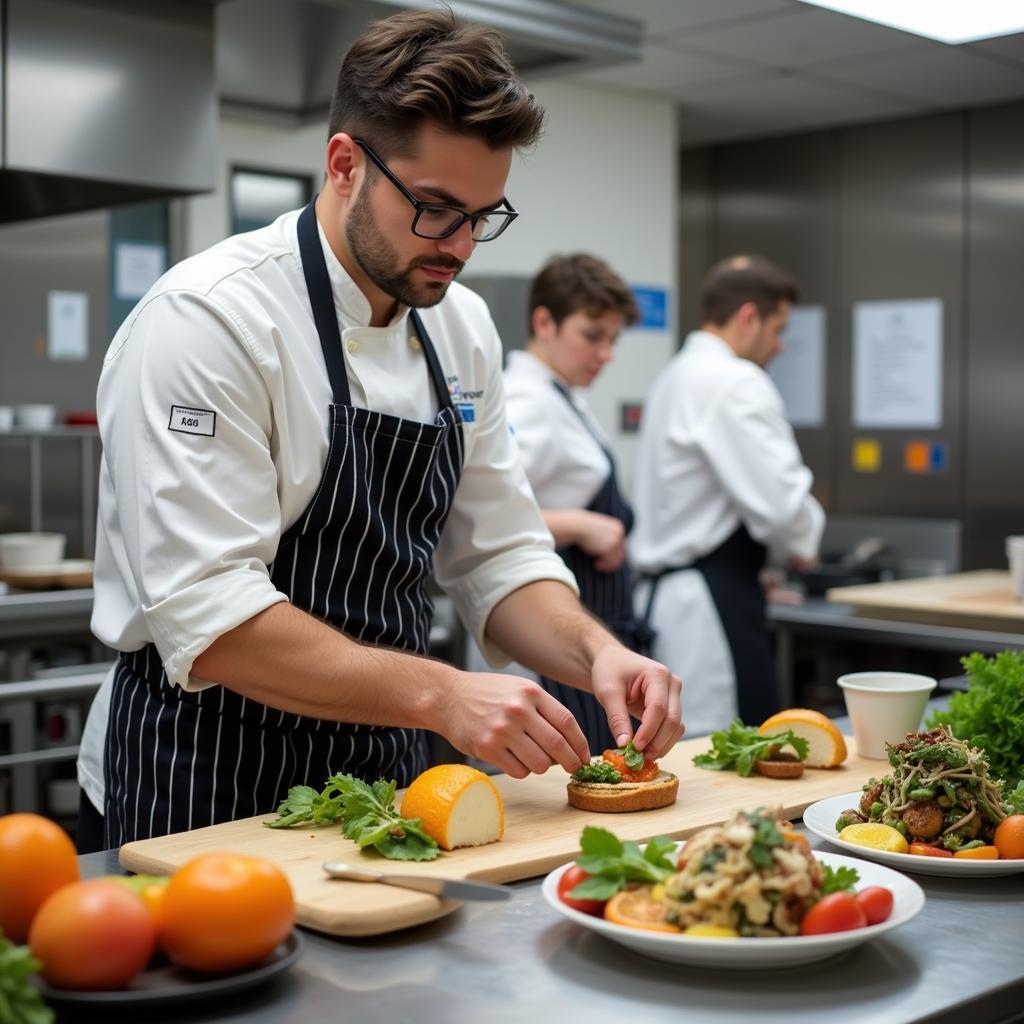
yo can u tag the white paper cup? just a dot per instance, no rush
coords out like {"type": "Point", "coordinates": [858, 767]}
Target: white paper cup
{"type": "Point", "coordinates": [883, 707]}
{"type": "Point", "coordinates": [1015, 556]}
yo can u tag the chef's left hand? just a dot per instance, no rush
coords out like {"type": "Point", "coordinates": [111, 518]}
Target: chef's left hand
{"type": "Point", "coordinates": [626, 683]}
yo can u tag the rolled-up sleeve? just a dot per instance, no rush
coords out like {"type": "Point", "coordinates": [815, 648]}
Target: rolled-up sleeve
{"type": "Point", "coordinates": [495, 540]}
{"type": "Point", "coordinates": [186, 422]}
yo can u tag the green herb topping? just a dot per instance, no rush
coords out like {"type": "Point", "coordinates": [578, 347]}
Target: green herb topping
{"type": "Point", "coordinates": [598, 771]}
{"type": "Point", "coordinates": [740, 746]}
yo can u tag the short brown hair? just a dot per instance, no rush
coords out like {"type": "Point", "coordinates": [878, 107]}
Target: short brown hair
{"type": "Point", "coordinates": [419, 66]}
{"type": "Point", "coordinates": [741, 279]}
{"type": "Point", "coordinates": [568, 284]}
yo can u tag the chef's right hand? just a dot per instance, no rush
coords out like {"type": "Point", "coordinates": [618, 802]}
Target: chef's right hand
{"type": "Point", "coordinates": [604, 538]}
{"type": "Point", "coordinates": [512, 723]}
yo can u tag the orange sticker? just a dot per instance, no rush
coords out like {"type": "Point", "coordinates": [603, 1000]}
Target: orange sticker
{"type": "Point", "coordinates": [917, 457]}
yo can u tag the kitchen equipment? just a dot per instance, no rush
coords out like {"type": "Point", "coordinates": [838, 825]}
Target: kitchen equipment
{"type": "Point", "coordinates": [446, 888]}
{"type": "Point", "coordinates": [31, 550]}
{"type": "Point", "coordinates": [541, 832]}
{"type": "Point", "coordinates": [884, 707]}
{"type": "Point", "coordinates": [846, 569]}
{"type": "Point", "coordinates": [35, 417]}
{"type": "Point", "coordinates": [1015, 556]}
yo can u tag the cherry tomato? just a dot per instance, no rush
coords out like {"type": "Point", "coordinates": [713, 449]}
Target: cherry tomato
{"type": "Point", "coordinates": [37, 858]}
{"type": "Point", "coordinates": [1009, 837]}
{"type": "Point", "coordinates": [223, 911]}
{"type": "Point", "coordinates": [569, 880]}
{"type": "Point", "coordinates": [876, 903]}
{"type": "Point", "coordinates": [94, 936]}
{"type": "Point", "coordinates": [927, 850]}
{"type": "Point", "coordinates": [837, 912]}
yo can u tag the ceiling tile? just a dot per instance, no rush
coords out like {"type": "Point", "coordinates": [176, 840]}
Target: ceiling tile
{"type": "Point", "coordinates": [669, 71]}
{"type": "Point", "coordinates": [661, 16]}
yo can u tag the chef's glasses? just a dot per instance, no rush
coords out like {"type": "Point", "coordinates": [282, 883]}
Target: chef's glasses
{"type": "Point", "coordinates": [438, 220]}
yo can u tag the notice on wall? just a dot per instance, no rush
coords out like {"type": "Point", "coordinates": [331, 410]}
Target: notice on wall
{"type": "Point", "coordinates": [137, 268]}
{"type": "Point", "coordinates": [67, 328]}
{"type": "Point", "coordinates": [897, 364]}
{"type": "Point", "coordinates": [799, 370]}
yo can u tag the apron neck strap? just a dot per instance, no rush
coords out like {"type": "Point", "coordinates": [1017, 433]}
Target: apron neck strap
{"type": "Point", "coordinates": [563, 391]}
{"type": "Point", "coordinates": [444, 397]}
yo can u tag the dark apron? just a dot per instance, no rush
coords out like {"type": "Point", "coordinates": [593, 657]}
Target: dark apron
{"type": "Point", "coordinates": [357, 558]}
{"type": "Point", "coordinates": [731, 574]}
{"type": "Point", "coordinates": [607, 595]}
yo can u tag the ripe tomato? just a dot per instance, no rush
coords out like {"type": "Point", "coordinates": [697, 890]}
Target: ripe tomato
{"type": "Point", "coordinates": [876, 902]}
{"type": "Point", "coordinates": [37, 857]}
{"type": "Point", "coordinates": [647, 773]}
{"type": "Point", "coordinates": [837, 912]}
{"type": "Point", "coordinates": [927, 850]}
{"type": "Point", "coordinates": [223, 911]}
{"type": "Point", "coordinates": [568, 882]}
{"type": "Point", "coordinates": [1009, 837]}
{"type": "Point", "coordinates": [94, 935]}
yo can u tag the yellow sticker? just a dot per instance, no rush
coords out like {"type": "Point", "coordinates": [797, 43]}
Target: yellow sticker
{"type": "Point", "coordinates": [867, 455]}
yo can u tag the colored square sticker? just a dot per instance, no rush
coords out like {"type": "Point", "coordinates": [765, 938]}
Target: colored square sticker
{"type": "Point", "coordinates": [917, 457]}
{"type": "Point", "coordinates": [867, 455]}
{"type": "Point", "coordinates": [939, 457]}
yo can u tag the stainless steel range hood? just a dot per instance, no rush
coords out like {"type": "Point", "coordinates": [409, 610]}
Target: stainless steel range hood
{"type": "Point", "coordinates": [278, 59]}
{"type": "Point", "coordinates": [104, 102]}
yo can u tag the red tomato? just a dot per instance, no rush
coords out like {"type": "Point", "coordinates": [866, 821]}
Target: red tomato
{"type": "Point", "coordinates": [647, 773]}
{"type": "Point", "coordinates": [837, 912]}
{"type": "Point", "coordinates": [568, 882]}
{"type": "Point", "coordinates": [876, 902]}
{"type": "Point", "coordinates": [223, 911]}
{"type": "Point", "coordinates": [927, 850]}
{"type": "Point", "coordinates": [37, 857]}
{"type": "Point", "coordinates": [93, 935]}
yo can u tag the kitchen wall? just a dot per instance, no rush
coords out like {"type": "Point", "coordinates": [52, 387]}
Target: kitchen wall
{"type": "Point", "coordinates": [922, 208]}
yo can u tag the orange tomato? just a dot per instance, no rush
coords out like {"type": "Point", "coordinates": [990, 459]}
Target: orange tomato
{"type": "Point", "coordinates": [927, 850]}
{"type": "Point", "coordinates": [795, 837]}
{"type": "Point", "coordinates": [647, 773]}
{"type": "Point", "coordinates": [93, 935]}
{"type": "Point", "coordinates": [223, 911]}
{"type": "Point", "coordinates": [636, 908]}
{"type": "Point", "coordinates": [1009, 837]}
{"type": "Point", "coordinates": [978, 853]}
{"type": "Point", "coordinates": [37, 858]}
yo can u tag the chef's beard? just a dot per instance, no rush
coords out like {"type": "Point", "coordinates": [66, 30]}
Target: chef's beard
{"type": "Point", "coordinates": [378, 260]}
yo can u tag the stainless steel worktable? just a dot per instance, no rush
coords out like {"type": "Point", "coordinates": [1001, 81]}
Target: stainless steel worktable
{"type": "Point", "coordinates": [961, 959]}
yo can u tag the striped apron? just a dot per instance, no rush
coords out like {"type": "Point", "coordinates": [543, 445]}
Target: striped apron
{"type": "Point", "coordinates": [607, 595]}
{"type": "Point", "coordinates": [358, 558]}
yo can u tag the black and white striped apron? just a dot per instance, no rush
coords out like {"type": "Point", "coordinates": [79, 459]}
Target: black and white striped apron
{"type": "Point", "coordinates": [608, 595]}
{"type": "Point", "coordinates": [357, 558]}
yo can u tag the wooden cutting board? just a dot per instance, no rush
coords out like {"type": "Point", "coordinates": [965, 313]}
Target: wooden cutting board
{"type": "Point", "coordinates": [541, 832]}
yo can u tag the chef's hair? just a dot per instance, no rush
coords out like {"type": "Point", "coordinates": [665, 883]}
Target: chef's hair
{"type": "Point", "coordinates": [428, 66]}
{"type": "Point", "coordinates": [742, 279]}
{"type": "Point", "coordinates": [569, 284]}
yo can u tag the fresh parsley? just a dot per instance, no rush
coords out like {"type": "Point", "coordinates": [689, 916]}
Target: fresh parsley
{"type": "Point", "coordinates": [739, 746]}
{"type": "Point", "coordinates": [767, 835]}
{"type": "Point", "coordinates": [598, 771]}
{"type": "Point", "coordinates": [20, 1001]}
{"type": "Point", "coordinates": [633, 758]}
{"type": "Point", "coordinates": [611, 863]}
{"type": "Point", "coordinates": [839, 879]}
{"type": "Point", "coordinates": [367, 813]}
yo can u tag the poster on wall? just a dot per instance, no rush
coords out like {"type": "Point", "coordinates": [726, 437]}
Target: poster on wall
{"type": "Point", "coordinates": [799, 370]}
{"type": "Point", "coordinates": [137, 267]}
{"type": "Point", "coordinates": [67, 319]}
{"type": "Point", "coordinates": [897, 364]}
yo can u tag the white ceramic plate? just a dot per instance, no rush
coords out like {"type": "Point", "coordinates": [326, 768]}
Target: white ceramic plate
{"type": "Point", "coordinates": [744, 953]}
{"type": "Point", "coordinates": [820, 818]}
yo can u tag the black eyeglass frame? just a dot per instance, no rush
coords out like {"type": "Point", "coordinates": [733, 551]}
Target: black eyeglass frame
{"type": "Point", "coordinates": [421, 207]}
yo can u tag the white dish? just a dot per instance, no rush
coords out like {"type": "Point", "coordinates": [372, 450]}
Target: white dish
{"type": "Point", "coordinates": [31, 550]}
{"type": "Point", "coordinates": [744, 953]}
{"type": "Point", "coordinates": [820, 818]}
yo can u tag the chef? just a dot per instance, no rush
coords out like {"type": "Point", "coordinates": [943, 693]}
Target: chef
{"type": "Point", "coordinates": [719, 483]}
{"type": "Point", "coordinates": [578, 306]}
{"type": "Point", "coordinates": [299, 426]}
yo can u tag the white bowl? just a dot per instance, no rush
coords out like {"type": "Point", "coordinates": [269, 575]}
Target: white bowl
{"type": "Point", "coordinates": [883, 707]}
{"type": "Point", "coordinates": [35, 417]}
{"type": "Point", "coordinates": [21, 550]}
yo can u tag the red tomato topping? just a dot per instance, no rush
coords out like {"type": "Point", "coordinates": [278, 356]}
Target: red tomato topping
{"type": "Point", "coordinates": [876, 902]}
{"type": "Point", "coordinates": [648, 773]}
{"type": "Point", "coordinates": [838, 912]}
{"type": "Point", "coordinates": [568, 882]}
{"type": "Point", "coordinates": [927, 850]}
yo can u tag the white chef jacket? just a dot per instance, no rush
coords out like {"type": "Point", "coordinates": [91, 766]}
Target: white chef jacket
{"type": "Point", "coordinates": [715, 450]}
{"type": "Point", "coordinates": [564, 463]}
{"type": "Point", "coordinates": [186, 532]}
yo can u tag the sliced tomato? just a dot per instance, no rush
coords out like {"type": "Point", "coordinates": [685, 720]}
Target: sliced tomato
{"type": "Point", "coordinates": [927, 850]}
{"type": "Point", "coordinates": [648, 773]}
{"type": "Point", "coordinates": [568, 882]}
{"type": "Point", "coordinates": [838, 912]}
{"type": "Point", "coordinates": [876, 902]}
{"type": "Point", "coordinates": [978, 853]}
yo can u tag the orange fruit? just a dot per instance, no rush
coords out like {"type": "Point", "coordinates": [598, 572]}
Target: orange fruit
{"type": "Point", "coordinates": [457, 806]}
{"type": "Point", "coordinates": [978, 853]}
{"type": "Point", "coordinates": [1009, 837]}
{"type": "Point", "coordinates": [636, 908]}
{"type": "Point", "coordinates": [797, 838]}
{"type": "Point", "coordinates": [826, 746]}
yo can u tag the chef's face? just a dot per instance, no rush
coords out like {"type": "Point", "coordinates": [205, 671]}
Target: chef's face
{"type": "Point", "coordinates": [580, 346]}
{"type": "Point", "coordinates": [766, 341]}
{"type": "Point", "coordinates": [453, 169]}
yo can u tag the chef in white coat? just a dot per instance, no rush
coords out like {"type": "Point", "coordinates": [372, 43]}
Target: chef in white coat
{"type": "Point", "coordinates": [719, 483]}
{"type": "Point", "coordinates": [578, 306]}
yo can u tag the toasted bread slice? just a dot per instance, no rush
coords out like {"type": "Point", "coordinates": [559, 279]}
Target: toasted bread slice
{"type": "Point", "coordinates": [624, 796]}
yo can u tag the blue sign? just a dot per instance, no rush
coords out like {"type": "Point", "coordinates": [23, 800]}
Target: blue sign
{"type": "Point", "coordinates": [653, 306]}
{"type": "Point", "coordinates": [938, 457]}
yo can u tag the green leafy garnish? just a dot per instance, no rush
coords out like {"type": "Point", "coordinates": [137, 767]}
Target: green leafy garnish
{"type": "Point", "coordinates": [598, 771]}
{"type": "Point", "coordinates": [367, 814]}
{"type": "Point", "coordinates": [841, 879]}
{"type": "Point", "coordinates": [739, 746]}
{"type": "Point", "coordinates": [633, 758]}
{"type": "Point", "coordinates": [612, 863]}
{"type": "Point", "coordinates": [767, 835]}
{"type": "Point", "coordinates": [1015, 799]}
{"type": "Point", "coordinates": [20, 1001]}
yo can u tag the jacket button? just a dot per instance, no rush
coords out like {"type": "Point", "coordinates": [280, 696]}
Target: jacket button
{"type": "Point", "coordinates": [353, 345]}
{"type": "Point", "coordinates": [414, 343]}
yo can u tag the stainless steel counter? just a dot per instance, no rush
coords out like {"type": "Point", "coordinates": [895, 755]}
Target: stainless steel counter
{"type": "Point", "coordinates": [960, 959]}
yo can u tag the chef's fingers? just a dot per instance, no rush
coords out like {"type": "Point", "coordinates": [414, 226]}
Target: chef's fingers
{"type": "Point", "coordinates": [617, 709]}
{"type": "Point", "coordinates": [559, 733]}
{"type": "Point", "coordinates": [672, 728]}
{"type": "Point", "coordinates": [507, 762]}
{"type": "Point", "coordinates": [525, 749]}
{"type": "Point", "coordinates": [657, 689]}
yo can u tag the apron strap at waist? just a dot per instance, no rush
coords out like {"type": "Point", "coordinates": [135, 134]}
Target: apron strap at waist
{"type": "Point", "coordinates": [654, 579]}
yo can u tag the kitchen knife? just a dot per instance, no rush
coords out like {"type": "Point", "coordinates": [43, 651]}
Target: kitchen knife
{"type": "Point", "coordinates": [446, 888]}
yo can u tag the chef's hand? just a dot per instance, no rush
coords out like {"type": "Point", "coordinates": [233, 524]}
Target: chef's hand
{"type": "Point", "coordinates": [604, 538]}
{"type": "Point", "coordinates": [627, 684]}
{"type": "Point", "coordinates": [512, 723]}
{"type": "Point", "coordinates": [802, 566]}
